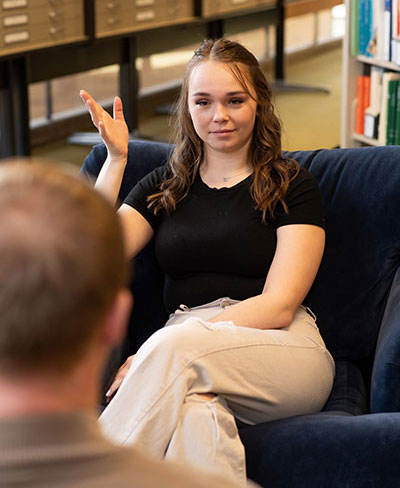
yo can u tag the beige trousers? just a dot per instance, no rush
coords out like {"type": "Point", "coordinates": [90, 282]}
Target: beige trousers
{"type": "Point", "coordinates": [256, 375]}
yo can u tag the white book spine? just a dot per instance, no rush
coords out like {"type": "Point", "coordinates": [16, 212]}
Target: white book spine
{"type": "Point", "coordinates": [395, 10]}
{"type": "Point", "coordinates": [387, 25]}
{"type": "Point", "coordinates": [379, 8]}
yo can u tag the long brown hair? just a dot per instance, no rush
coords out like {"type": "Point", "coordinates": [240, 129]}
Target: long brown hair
{"type": "Point", "coordinates": [272, 174]}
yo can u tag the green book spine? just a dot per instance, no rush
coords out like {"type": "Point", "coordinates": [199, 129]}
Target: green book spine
{"type": "Point", "coordinates": [397, 131]}
{"type": "Point", "coordinates": [354, 28]}
{"type": "Point", "coordinates": [393, 128]}
{"type": "Point", "coordinates": [391, 115]}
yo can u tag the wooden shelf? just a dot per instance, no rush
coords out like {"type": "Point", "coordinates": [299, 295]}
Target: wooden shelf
{"type": "Point", "coordinates": [378, 62]}
{"type": "Point", "coordinates": [365, 140]}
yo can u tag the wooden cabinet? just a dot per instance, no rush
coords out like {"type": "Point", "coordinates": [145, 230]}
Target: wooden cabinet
{"type": "Point", "coordinates": [34, 24]}
{"type": "Point", "coordinates": [121, 16]}
{"type": "Point", "coordinates": [211, 8]}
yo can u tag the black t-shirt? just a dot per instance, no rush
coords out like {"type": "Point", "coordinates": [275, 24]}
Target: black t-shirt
{"type": "Point", "coordinates": [214, 244]}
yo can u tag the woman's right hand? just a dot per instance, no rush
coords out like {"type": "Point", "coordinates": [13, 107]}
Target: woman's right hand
{"type": "Point", "coordinates": [119, 377]}
{"type": "Point", "coordinates": [113, 130]}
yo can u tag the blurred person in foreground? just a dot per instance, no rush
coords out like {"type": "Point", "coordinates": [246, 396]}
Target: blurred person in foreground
{"type": "Point", "coordinates": [63, 306]}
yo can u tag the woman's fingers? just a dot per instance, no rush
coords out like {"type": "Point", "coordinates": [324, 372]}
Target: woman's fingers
{"type": "Point", "coordinates": [113, 388]}
{"type": "Point", "coordinates": [96, 111]}
{"type": "Point", "coordinates": [119, 378]}
{"type": "Point", "coordinates": [113, 130]}
{"type": "Point", "coordinates": [118, 112]}
{"type": "Point", "coordinates": [115, 385]}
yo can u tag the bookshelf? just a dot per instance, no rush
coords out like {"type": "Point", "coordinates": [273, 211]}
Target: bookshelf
{"type": "Point", "coordinates": [355, 66]}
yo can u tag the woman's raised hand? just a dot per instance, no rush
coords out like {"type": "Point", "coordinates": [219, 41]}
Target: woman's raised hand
{"type": "Point", "coordinates": [113, 130]}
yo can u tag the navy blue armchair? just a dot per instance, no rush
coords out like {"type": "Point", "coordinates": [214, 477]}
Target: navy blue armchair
{"type": "Point", "coordinates": [355, 441]}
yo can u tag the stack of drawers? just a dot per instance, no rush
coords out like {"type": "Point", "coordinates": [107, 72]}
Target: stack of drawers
{"type": "Point", "coordinates": [34, 24]}
{"type": "Point", "coordinates": [113, 16]}
{"type": "Point", "coordinates": [215, 7]}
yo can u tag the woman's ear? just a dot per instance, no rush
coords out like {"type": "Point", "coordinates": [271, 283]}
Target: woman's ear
{"type": "Point", "coordinates": [116, 318]}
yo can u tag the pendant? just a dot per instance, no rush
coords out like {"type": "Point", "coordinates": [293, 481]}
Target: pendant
{"type": "Point", "coordinates": [225, 178]}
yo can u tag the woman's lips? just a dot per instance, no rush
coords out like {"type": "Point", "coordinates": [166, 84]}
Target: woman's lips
{"type": "Point", "coordinates": [223, 132]}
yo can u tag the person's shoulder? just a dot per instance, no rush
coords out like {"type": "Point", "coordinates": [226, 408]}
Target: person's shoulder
{"type": "Point", "coordinates": [158, 175]}
{"type": "Point", "coordinates": [149, 472]}
{"type": "Point", "coordinates": [151, 182]}
{"type": "Point", "coordinates": [301, 178]}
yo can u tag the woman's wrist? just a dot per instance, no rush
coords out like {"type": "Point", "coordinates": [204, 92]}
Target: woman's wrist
{"type": "Point", "coordinates": [117, 159]}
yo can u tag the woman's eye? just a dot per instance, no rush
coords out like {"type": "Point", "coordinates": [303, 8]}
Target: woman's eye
{"type": "Point", "coordinates": [201, 103]}
{"type": "Point", "coordinates": [236, 101]}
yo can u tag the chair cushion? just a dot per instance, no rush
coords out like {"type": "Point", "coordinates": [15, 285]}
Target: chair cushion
{"type": "Point", "coordinates": [325, 450]}
{"type": "Point", "coordinates": [348, 393]}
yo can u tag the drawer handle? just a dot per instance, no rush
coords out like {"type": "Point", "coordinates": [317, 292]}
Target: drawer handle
{"type": "Point", "coordinates": [54, 30]}
{"type": "Point", "coordinates": [112, 21]}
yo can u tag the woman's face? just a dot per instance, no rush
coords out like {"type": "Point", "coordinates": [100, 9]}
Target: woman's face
{"type": "Point", "coordinates": [223, 114]}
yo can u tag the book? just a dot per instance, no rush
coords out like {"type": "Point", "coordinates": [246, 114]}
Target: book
{"type": "Point", "coordinates": [395, 54]}
{"type": "Point", "coordinates": [354, 42]}
{"type": "Point", "coordinates": [363, 96]}
{"type": "Point", "coordinates": [359, 106]}
{"type": "Point", "coordinates": [391, 112]}
{"type": "Point", "coordinates": [387, 30]}
{"type": "Point", "coordinates": [379, 9]}
{"type": "Point", "coordinates": [395, 19]}
{"type": "Point", "coordinates": [383, 120]}
{"type": "Point", "coordinates": [365, 27]}
{"type": "Point", "coordinates": [397, 130]}
{"type": "Point", "coordinates": [366, 94]}
{"type": "Point", "coordinates": [372, 112]}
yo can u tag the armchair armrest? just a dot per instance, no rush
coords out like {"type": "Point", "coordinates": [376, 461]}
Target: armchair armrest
{"type": "Point", "coordinates": [385, 385]}
{"type": "Point", "coordinates": [325, 450]}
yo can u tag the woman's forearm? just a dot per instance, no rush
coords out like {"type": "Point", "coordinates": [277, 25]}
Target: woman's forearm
{"type": "Point", "coordinates": [259, 312]}
{"type": "Point", "coordinates": [110, 178]}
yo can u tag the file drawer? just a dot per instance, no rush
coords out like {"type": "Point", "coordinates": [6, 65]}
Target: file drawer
{"type": "Point", "coordinates": [27, 25]}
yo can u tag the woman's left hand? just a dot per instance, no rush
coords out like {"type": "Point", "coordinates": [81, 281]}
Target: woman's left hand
{"type": "Point", "coordinates": [119, 378]}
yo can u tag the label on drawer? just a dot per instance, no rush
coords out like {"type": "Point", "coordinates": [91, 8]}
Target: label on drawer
{"type": "Point", "coordinates": [14, 3]}
{"type": "Point", "coordinates": [16, 37]}
{"type": "Point", "coordinates": [146, 15]}
{"type": "Point", "coordinates": [12, 20]}
{"type": "Point", "coordinates": [144, 3]}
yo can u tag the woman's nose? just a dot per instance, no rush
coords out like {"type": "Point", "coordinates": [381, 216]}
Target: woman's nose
{"type": "Point", "coordinates": [220, 114]}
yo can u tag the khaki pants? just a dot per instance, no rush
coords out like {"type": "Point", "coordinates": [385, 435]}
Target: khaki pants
{"type": "Point", "coordinates": [256, 375]}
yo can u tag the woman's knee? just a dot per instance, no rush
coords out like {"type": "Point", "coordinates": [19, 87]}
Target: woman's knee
{"type": "Point", "coordinates": [186, 337]}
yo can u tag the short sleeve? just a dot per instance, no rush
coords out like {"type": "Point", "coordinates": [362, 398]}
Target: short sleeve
{"type": "Point", "coordinates": [137, 197]}
{"type": "Point", "coordinates": [304, 203]}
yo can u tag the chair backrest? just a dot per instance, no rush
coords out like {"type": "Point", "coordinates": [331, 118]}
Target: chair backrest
{"type": "Point", "coordinates": [360, 191]}
{"type": "Point", "coordinates": [361, 194]}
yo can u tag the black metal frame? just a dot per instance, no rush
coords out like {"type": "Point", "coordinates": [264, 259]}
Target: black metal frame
{"type": "Point", "coordinates": [280, 83]}
{"type": "Point", "coordinates": [19, 70]}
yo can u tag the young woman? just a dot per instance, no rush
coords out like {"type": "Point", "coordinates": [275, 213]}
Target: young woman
{"type": "Point", "coordinates": [240, 234]}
